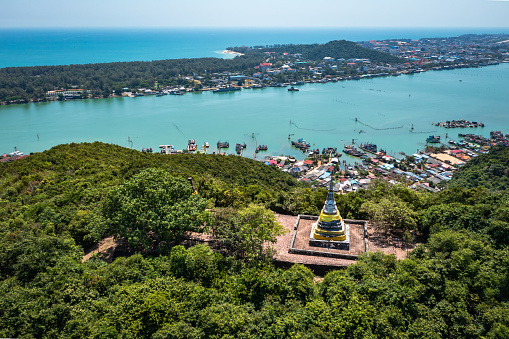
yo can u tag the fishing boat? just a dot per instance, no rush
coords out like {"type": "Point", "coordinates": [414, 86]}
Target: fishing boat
{"type": "Point", "coordinates": [166, 149]}
{"type": "Point", "coordinates": [329, 150]}
{"type": "Point", "coordinates": [191, 145]}
{"type": "Point", "coordinates": [301, 144]}
{"type": "Point", "coordinates": [277, 84]}
{"type": "Point", "coordinates": [225, 144]}
{"type": "Point", "coordinates": [371, 148]}
{"type": "Point", "coordinates": [226, 89]}
{"type": "Point", "coordinates": [432, 139]}
{"type": "Point", "coordinates": [239, 148]}
{"type": "Point", "coordinates": [351, 150]}
{"type": "Point", "coordinates": [261, 148]}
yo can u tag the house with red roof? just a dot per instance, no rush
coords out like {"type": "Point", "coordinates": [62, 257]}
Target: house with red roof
{"type": "Point", "coordinates": [264, 66]}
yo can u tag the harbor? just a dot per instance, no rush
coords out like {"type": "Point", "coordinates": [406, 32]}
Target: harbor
{"type": "Point", "coordinates": [344, 130]}
{"type": "Point", "coordinates": [324, 115]}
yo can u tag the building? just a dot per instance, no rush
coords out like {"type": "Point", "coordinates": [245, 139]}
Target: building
{"type": "Point", "coordinates": [264, 66]}
{"type": "Point", "coordinates": [64, 93]}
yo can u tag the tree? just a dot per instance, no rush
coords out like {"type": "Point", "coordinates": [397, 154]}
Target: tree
{"type": "Point", "coordinates": [248, 232]}
{"type": "Point", "coordinates": [153, 205]}
{"type": "Point", "coordinates": [408, 238]}
{"type": "Point", "coordinates": [391, 213]}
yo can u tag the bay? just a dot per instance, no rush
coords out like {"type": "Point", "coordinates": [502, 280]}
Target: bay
{"type": "Point", "coordinates": [323, 114]}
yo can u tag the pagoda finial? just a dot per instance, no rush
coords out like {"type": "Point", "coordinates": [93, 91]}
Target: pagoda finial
{"type": "Point", "coordinates": [330, 204]}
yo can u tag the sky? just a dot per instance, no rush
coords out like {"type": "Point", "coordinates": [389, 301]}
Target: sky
{"type": "Point", "coordinates": [259, 13]}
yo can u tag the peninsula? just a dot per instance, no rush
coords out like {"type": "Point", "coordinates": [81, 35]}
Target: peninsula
{"type": "Point", "coordinates": [253, 67]}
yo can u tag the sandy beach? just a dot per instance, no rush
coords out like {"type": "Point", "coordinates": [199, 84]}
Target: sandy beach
{"type": "Point", "coordinates": [226, 51]}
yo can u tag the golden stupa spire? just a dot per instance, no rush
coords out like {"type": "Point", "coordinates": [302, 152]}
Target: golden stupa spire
{"type": "Point", "coordinates": [330, 225]}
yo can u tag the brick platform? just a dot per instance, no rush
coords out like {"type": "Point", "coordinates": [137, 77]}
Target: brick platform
{"type": "Point", "coordinates": [300, 240]}
{"type": "Point", "coordinates": [283, 255]}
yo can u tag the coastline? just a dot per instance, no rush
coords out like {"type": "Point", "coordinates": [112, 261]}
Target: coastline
{"type": "Point", "coordinates": [308, 81]}
{"type": "Point", "coordinates": [227, 51]}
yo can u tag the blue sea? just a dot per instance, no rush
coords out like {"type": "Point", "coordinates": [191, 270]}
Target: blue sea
{"type": "Point", "coordinates": [35, 47]}
{"type": "Point", "coordinates": [323, 114]}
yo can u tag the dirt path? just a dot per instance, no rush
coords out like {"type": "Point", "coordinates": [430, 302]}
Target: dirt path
{"type": "Point", "coordinates": [106, 247]}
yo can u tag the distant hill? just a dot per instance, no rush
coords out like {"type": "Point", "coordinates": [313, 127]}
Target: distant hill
{"type": "Point", "coordinates": [336, 49]}
{"type": "Point", "coordinates": [489, 170]}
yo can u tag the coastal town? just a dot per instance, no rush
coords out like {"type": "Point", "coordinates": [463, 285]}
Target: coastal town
{"type": "Point", "coordinates": [428, 169]}
{"type": "Point", "coordinates": [286, 69]}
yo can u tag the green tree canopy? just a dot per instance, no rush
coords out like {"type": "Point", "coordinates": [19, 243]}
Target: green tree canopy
{"type": "Point", "coordinates": [248, 232]}
{"type": "Point", "coordinates": [153, 206]}
{"type": "Point", "coordinates": [391, 213]}
{"type": "Point", "coordinates": [489, 170]}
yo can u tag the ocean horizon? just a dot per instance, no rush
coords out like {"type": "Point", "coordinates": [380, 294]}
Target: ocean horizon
{"type": "Point", "coordinates": [65, 46]}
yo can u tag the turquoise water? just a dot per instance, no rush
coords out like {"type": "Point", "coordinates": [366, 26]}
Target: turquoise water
{"type": "Point", "coordinates": [31, 47]}
{"type": "Point", "coordinates": [323, 114]}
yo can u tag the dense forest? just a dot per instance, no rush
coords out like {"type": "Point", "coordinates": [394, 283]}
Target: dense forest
{"type": "Point", "coordinates": [337, 49]}
{"type": "Point", "coordinates": [24, 83]}
{"type": "Point", "coordinates": [58, 203]}
{"type": "Point", "coordinates": [490, 171]}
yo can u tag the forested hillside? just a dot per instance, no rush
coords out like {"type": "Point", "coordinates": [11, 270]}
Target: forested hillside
{"type": "Point", "coordinates": [490, 171]}
{"type": "Point", "coordinates": [65, 186]}
{"type": "Point", "coordinates": [58, 202]}
{"type": "Point", "coordinates": [337, 49]}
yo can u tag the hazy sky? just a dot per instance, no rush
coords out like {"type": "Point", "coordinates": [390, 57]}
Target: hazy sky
{"type": "Point", "coordinates": [259, 13]}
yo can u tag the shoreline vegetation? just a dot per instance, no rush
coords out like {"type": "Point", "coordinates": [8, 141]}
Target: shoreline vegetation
{"type": "Point", "coordinates": [252, 67]}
